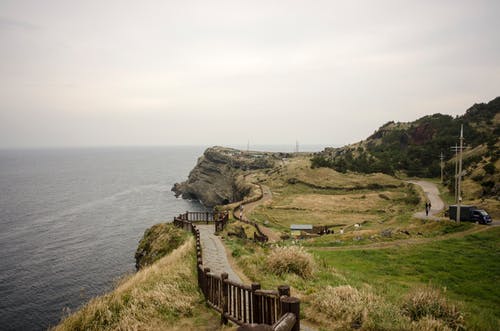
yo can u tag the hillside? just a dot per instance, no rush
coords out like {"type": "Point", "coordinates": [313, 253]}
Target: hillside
{"type": "Point", "coordinates": [162, 295]}
{"type": "Point", "coordinates": [414, 148]}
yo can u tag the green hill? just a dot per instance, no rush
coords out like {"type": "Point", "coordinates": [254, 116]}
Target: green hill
{"type": "Point", "coordinates": [414, 148]}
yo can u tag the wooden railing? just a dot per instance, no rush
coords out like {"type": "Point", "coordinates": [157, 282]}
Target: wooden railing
{"type": "Point", "coordinates": [239, 303]}
{"type": "Point", "coordinates": [258, 235]}
{"type": "Point", "coordinates": [219, 219]}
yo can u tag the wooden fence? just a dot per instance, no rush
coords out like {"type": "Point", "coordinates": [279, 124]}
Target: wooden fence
{"type": "Point", "coordinates": [239, 303]}
{"type": "Point", "coordinates": [219, 219]}
{"type": "Point", "coordinates": [258, 235]}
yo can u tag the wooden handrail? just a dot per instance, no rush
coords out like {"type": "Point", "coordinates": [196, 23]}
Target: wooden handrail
{"type": "Point", "coordinates": [242, 304]}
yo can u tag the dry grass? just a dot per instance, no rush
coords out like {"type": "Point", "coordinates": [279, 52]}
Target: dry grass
{"type": "Point", "coordinates": [363, 203]}
{"type": "Point", "coordinates": [430, 324]}
{"type": "Point", "coordinates": [348, 203]}
{"type": "Point", "coordinates": [345, 307]}
{"type": "Point", "coordinates": [291, 259]}
{"type": "Point", "coordinates": [428, 302]}
{"type": "Point", "coordinates": [300, 168]}
{"type": "Point", "coordinates": [285, 217]}
{"type": "Point", "coordinates": [161, 296]}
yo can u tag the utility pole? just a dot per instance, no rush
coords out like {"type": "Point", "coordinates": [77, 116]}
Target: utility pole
{"type": "Point", "coordinates": [460, 172]}
{"type": "Point", "coordinates": [455, 149]}
{"type": "Point", "coordinates": [296, 146]}
{"type": "Point", "coordinates": [442, 166]}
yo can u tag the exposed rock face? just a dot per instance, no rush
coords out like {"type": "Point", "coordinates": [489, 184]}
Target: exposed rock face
{"type": "Point", "coordinates": [215, 179]}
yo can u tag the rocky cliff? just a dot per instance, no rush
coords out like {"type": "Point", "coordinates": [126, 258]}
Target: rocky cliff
{"type": "Point", "coordinates": [217, 177]}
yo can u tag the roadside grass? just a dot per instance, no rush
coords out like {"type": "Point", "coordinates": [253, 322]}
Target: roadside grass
{"type": "Point", "coordinates": [464, 270]}
{"type": "Point", "coordinates": [161, 296]}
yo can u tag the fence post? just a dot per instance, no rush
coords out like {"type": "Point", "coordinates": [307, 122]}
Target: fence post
{"type": "Point", "coordinates": [256, 318]}
{"type": "Point", "coordinates": [291, 305]}
{"type": "Point", "coordinates": [284, 290]}
{"type": "Point", "coordinates": [224, 297]}
{"type": "Point", "coordinates": [205, 282]}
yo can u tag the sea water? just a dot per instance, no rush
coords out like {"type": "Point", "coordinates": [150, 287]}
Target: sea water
{"type": "Point", "coordinates": [71, 219]}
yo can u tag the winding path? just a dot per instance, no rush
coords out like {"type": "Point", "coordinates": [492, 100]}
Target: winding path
{"type": "Point", "coordinates": [267, 195]}
{"type": "Point", "coordinates": [432, 193]}
{"type": "Point", "coordinates": [214, 253]}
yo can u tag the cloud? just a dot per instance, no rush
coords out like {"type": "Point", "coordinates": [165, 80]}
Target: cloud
{"type": "Point", "coordinates": [279, 70]}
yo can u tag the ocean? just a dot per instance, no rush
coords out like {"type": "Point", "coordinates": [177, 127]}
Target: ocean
{"type": "Point", "coordinates": [71, 219]}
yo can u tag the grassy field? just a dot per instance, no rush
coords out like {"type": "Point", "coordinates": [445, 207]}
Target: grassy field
{"type": "Point", "coordinates": [370, 276]}
{"type": "Point", "coordinates": [469, 269]}
{"type": "Point", "coordinates": [465, 270]}
{"type": "Point", "coordinates": [324, 197]}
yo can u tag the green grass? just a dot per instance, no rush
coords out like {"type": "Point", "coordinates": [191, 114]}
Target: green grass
{"type": "Point", "coordinates": [469, 268]}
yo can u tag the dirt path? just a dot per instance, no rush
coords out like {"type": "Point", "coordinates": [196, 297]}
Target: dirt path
{"type": "Point", "coordinates": [405, 242]}
{"type": "Point", "coordinates": [267, 195]}
{"type": "Point", "coordinates": [432, 193]}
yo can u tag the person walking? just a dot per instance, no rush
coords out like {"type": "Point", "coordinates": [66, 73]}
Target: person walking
{"type": "Point", "coordinates": [427, 209]}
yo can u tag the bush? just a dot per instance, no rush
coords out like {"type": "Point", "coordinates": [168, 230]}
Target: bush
{"type": "Point", "coordinates": [345, 308]}
{"type": "Point", "coordinates": [344, 304]}
{"type": "Point", "coordinates": [291, 259]}
{"type": "Point", "coordinates": [428, 302]}
{"type": "Point", "coordinates": [489, 168]}
{"type": "Point", "coordinates": [430, 324]}
{"type": "Point", "coordinates": [158, 241]}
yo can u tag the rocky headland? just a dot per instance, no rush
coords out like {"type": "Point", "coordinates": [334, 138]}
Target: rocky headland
{"type": "Point", "coordinates": [218, 177]}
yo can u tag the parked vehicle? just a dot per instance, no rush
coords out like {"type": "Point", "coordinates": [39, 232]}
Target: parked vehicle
{"type": "Point", "coordinates": [470, 213]}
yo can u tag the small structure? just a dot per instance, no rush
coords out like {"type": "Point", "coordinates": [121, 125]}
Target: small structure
{"type": "Point", "coordinates": [296, 230]}
{"type": "Point", "coordinates": [301, 227]}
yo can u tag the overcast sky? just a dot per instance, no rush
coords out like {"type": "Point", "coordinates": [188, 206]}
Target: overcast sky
{"type": "Point", "coordinates": [91, 73]}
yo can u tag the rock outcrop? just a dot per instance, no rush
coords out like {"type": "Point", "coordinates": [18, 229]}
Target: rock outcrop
{"type": "Point", "coordinates": [217, 178]}
{"type": "Point", "coordinates": [158, 241]}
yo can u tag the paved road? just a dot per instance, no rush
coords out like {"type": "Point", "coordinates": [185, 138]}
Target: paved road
{"type": "Point", "coordinates": [432, 193]}
{"type": "Point", "coordinates": [214, 253]}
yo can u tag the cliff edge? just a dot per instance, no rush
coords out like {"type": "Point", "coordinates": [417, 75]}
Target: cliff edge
{"type": "Point", "coordinates": [217, 177]}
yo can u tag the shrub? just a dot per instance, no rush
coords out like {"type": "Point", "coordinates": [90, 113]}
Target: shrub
{"type": "Point", "coordinates": [489, 168]}
{"type": "Point", "coordinates": [429, 302]}
{"type": "Point", "coordinates": [158, 241]}
{"type": "Point", "coordinates": [291, 259]}
{"type": "Point", "coordinates": [345, 307]}
{"type": "Point", "coordinates": [430, 324]}
{"type": "Point", "coordinates": [344, 304]}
